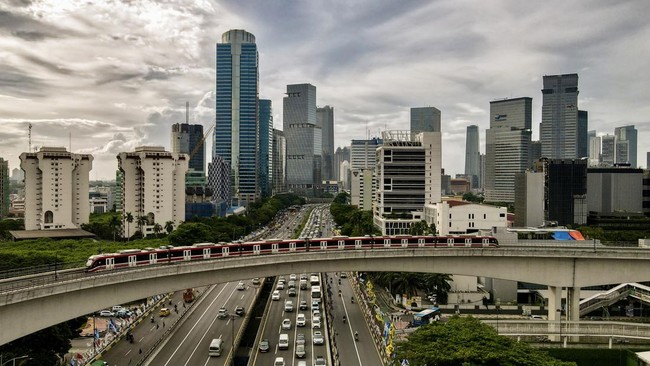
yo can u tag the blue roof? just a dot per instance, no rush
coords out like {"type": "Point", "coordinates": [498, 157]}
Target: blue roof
{"type": "Point", "coordinates": [562, 235]}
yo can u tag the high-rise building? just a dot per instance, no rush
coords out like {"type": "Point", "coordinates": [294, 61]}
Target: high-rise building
{"type": "Point", "coordinates": [647, 160]}
{"type": "Point", "coordinates": [341, 155]}
{"type": "Point", "coordinates": [186, 138]}
{"type": "Point", "coordinates": [472, 156]}
{"type": "Point", "coordinates": [425, 119]}
{"type": "Point", "coordinates": [608, 150]}
{"type": "Point", "coordinates": [153, 188]}
{"type": "Point", "coordinates": [4, 188]}
{"type": "Point", "coordinates": [535, 152]}
{"type": "Point", "coordinates": [304, 139]}
{"type": "Point", "coordinates": [325, 120]}
{"type": "Point", "coordinates": [559, 130]}
{"type": "Point", "coordinates": [362, 167]}
{"type": "Point", "coordinates": [507, 147]}
{"type": "Point", "coordinates": [408, 177]}
{"type": "Point", "coordinates": [119, 177]}
{"type": "Point", "coordinates": [17, 175]}
{"type": "Point", "coordinates": [626, 143]}
{"type": "Point", "coordinates": [594, 148]}
{"type": "Point", "coordinates": [529, 199]}
{"type": "Point", "coordinates": [56, 188]}
{"type": "Point", "coordinates": [279, 162]}
{"type": "Point", "coordinates": [583, 135]}
{"type": "Point", "coordinates": [236, 130]}
{"type": "Point", "coordinates": [566, 191]}
{"type": "Point", "coordinates": [266, 147]}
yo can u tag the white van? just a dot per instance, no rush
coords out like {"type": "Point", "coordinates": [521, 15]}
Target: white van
{"type": "Point", "coordinates": [215, 347]}
{"type": "Point", "coordinates": [283, 343]}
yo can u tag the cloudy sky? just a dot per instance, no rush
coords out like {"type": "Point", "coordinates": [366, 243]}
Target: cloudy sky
{"type": "Point", "coordinates": [105, 76]}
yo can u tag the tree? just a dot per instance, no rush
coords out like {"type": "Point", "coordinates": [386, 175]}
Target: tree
{"type": "Point", "coordinates": [461, 341]}
{"type": "Point", "coordinates": [169, 227]}
{"type": "Point", "coordinates": [114, 224]}
{"type": "Point", "coordinates": [157, 228]}
{"type": "Point", "coordinates": [142, 220]}
{"type": "Point", "coordinates": [189, 233]}
{"type": "Point", "coordinates": [421, 228]}
{"type": "Point", "coordinates": [129, 219]}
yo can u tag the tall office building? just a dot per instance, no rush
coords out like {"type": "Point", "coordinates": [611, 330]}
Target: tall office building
{"type": "Point", "coordinates": [325, 120]}
{"type": "Point", "coordinates": [507, 147]}
{"type": "Point", "coordinates": [236, 131]}
{"type": "Point", "coordinates": [535, 152]}
{"type": "Point", "coordinates": [153, 187]}
{"type": "Point", "coordinates": [472, 156]}
{"type": "Point", "coordinates": [608, 150]}
{"type": "Point", "coordinates": [362, 168]}
{"type": "Point", "coordinates": [583, 135]}
{"type": "Point", "coordinates": [342, 154]}
{"type": "Point", "coordinates": [17, 175]}
{"type": "Point", "coordinates": [626, 143]}
{"type": "Point", "coordinates": [566, 191]}
{"type": "Point", "coordinates": [408, 177]}
{"type": "Point", "coordinates": [304, 139]}
{"type": "Point", "coordinates": [185, 139]}
{"type": "Point", "coordinates": [559, 131]}
{"type": "Point", "coordinates": [594, 148]}
{"type": "Point", "coordinates": [56, 188]}
{"type": "Point", "coordinates": [425, 119]}
{"type": "Point", "coordinates": [266, 147]}
{"type": "Point", "coordinates": [4, 188]}
{"type": "Point", "coordinates": [279, 162]}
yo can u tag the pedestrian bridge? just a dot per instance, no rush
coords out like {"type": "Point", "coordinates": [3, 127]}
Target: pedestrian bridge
{"type": "Point", "coordinates": [32, 303]}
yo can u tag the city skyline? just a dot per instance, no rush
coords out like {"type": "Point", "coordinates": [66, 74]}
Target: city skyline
{"type": "Point", "coordinates": [62, 74]}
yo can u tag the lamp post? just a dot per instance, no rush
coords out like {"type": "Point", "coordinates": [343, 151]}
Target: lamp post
{"type": "Point", "coordinates": [232, 318]}
{"type": "Point", "coordinates": [13, 360]}
{"type": "Point", "coordinates": [560, 311]}
{"type": "Point", "coordinates": [498, 307]}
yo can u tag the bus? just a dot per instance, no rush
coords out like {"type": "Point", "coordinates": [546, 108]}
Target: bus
{"type": "Point", "coordinates": [316, 294]}
{"type": "Point", "coordinates": [426, 316]}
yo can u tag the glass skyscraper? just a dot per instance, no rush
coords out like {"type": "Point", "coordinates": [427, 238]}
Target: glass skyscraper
{"type": "Point", "coordinates": [185, 139]}
{"type": "Point", "coordinates": [266, 143]}
{"type": "Point", "coordinates": [236, 130]}
{"type": "Point", "coordinates": [472, 156]}
{"type": "Point", "coordinates": [325, 120]}
{"type": "Point", "coordinates": [425, 119]}
{"type": "Point", "coordinates": [560, 132]}
{"type": "Point", "coordinates": [626, 141]}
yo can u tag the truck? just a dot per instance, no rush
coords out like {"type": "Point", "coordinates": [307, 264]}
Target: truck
{"type": "Point", "coordinates": [188, 295]}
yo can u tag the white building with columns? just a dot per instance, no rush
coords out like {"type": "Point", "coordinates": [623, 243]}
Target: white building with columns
{"type": "Point", "coordinates": [153, 187]}
{"type": "Point", "coordinates": [56, 188]}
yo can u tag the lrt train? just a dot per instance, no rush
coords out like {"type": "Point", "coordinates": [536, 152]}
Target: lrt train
{"type": "Point", "coordinates": [202, 251]}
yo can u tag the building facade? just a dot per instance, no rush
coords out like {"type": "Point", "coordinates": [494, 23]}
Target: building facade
{"type": "Point", "coordinates": [279, 162]}
{"type": "Point", "coordinates": [188, 139]}
{"type": "Point", "coordinates": [265, 158]}
{"type": "Point", "coordinates": [472, 156]}
{"type": "Point", "coordinates": [529, 199]}
{"type": "Point", "coordinates": [507, 149]}
{"type": "Point", "coordinates": [626, 145]}
{"type": "Point", "coordinates": [153, 189]}
{"type": "Point", "coordinates": [304, 139]}
{"type": "Point", "coordinates": [583, 134]}
{"type": "Point", "coordinates": [462, 218]}
{"type": "Point", "coordinates": [342, 154]}
{"type": "Point", "coordinates": [614, 190]}
{"type": "Point", "coordinates": [236, 137]}
{"type": "Point", "coordinates": [608, 150]}
{"type": "Point", "coordinates": [363, 155]}
{"type": "Point", "coordinates": [566, 187]}
{"type": "Point", "coordinates": [425, 119]}
{"type": "Point", "coordinates": [407, 176]}
{"type": "Point", "coordinates": [5, 203]}
{"type": "Point", "coordinates": [325, 120]}
{"type": "Point", "coordinates": [594, 148]}
{"type": "Point", "coordinates": [559, 131]}
{"type": "Point", "coordinates": [56, 188]}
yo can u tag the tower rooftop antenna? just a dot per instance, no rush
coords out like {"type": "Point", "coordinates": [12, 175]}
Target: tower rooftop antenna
{"type": "Point", "coordinates": [29, 147]}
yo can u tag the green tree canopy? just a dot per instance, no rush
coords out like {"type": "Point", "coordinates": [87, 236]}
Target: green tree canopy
{"type": "Point", "coordinates": [467, 341]}
{"type": "Point", "coordinates": [189, 233]}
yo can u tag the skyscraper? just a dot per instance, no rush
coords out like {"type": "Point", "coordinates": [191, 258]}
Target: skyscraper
{"type": "Point", "coordinates": [341, 155]}
{"type": "Point", "coordinates": [472, 156]}
{"type": "Point", "coordinates": [266, 146]}
{"type": "Point", "coordinates": [583, 138]}
{"type": "Point", "coordinates": [363, 156]}
{"type": "Point", "coordinates": [304, 138]}
{"type": "Point", "coordinates": [594, 148]}
{"type": "Point", "coordinates": [608, 150]}
{"type": "Point", "coordinates": [325, 120]}
{"type": "Point", "coordinates": [185, 139]}
{"type": "Point", "coordinates": [559, 130]}
{"type": "Point", "coordinates": [507, 147]}
{"type": "Point", "coordinates": [279, 162]}
{"type": "Point", "coordinates": [4, 188]}
{"type": "Point", "coordinates": [425, 119]}
{"type": "Point", "coordinates": [626, 142]}
{"type": "Point", "coordinates": [236, 130]}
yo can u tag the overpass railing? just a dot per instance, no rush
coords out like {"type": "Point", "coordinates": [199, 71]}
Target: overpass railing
{"type": "Point", "coordinates": [536, 328]}
{"type": "Point", "coordinates": [613, 295]}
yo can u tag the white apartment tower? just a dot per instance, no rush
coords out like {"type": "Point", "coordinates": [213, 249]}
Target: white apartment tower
{"type": "Point", "coordinates": [153, 187]}
{"type": "Point", "coordinates": [56, 188]}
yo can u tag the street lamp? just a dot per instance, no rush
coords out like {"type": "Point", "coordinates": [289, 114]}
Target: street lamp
{"type": "Point", "coordinates": [560, 311]}
{"type": "Point", "coordinates": [232, 318]}
{"type": "Point", "coordinates": [13, 360]}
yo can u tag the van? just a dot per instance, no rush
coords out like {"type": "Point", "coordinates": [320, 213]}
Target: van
{"type": "Point", "coordinates": [215, 347]}
{"type": "Point", "coordinates": [283, 343]}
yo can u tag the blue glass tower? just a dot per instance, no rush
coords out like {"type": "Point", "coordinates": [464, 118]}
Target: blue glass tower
{"type": "Point", "coordinates": [236, 131]}
{"type": "Point", "coordinates": [266, 146]}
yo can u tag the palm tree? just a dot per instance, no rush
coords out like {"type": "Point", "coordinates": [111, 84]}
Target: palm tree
{"type": "Point", "coordinates": [157, 228]}
{"type": "Point", "coordinates": [129, 220]}
{"type": "Point", "coordinates": [114, 223]}
{"type": "Point", "coordinates": [141, 221]}
{"type": "Point", "coordinates": [169, 227]}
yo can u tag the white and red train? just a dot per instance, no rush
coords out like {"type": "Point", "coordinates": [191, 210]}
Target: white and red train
{"type": "Point", "coordinates": [202, 251]}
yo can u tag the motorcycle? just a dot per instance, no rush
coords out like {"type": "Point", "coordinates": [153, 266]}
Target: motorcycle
{"type": "Point", "coordinates": [356, 336]}
{"type": "Point", "coordinates": [352, 300]}
{"type": "Point", "coordinates": [344, 319]}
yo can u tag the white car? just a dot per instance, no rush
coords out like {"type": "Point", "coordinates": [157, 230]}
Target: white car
{"type": "Point", "coordinates": [241, 286]}
{"type": "Point", "coordinates": [279, 361]}
{"type": "Point", "coordinates": [316, 314]}
{"type": "Point", "coordinates": [288, 306]}
{"type": "Point", "coordinates": [318, 338]}
{"type": "Point", "coordinates": [315, 324]}
{"type": "Point", "coordinates": [301, 320]}
{"type": "Point", "coordinates": [106, 313]}
{"type": "Point", "coordinates": [286, 324]}
{"type": "Point", "coordinates": [292, 277]}
{"type": "Point", "coordinates": [275, 296]}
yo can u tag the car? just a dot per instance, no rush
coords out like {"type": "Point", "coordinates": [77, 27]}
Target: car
{"type": "Point", "coordinates": [275, 296]}
{"type": "Point", "coordinates": [256, 281]}
{"type": "Point", "coordinates": [303, 305]}
{"type": "Point", "coordinates": [316, 314]}
{"type": "Point", "coordinates": [300, 351]}
{"type": "Point", "coordinates": [315, 323]}
{"type": "Point", "coordinates": [239, 310]}
{"type": "Point", "coordinates": [344, 275]}
{"type": "Point", "coordinates": [241, 286]}
{"type": "Point", "coordinates": [318, 338]}
{"type": "Point", "coordinates": [315, 305]}
{"type": "Point", "coordinates": [106, 313]}
{"type": "Point", "coordinates": [302, 363]}
{"type": "Point", "coordinates": [279, 361]}
{"type": "Point", "coordinates": [292, 292]}
{"type": "Point", "coordinates": [124, 313]}
{"type": "Point", "coordinates": [300, 338]}
{"type": "Point", "coordinates": [280, 286]}
{"type": "Point", "coordinates": [292, 284]}
{"type": "Point", "coordinates": [288, 306]}
{"type": "Point", "coordinates": [223, 313]}
{"type": "Point", "coordinates": [320, 361]}
{"type": "Point", "coordinates": [301, 321]}
{"type": "Point", "coordinates": [292, 277]}
{"type": "Point", "coordinates": [286, 324]}
{"type": "Point", "coordinates": [264, 345]}
{"type": "Point", "coordinates": [164, 312]}
{"type": "Point", "coordinates": [303, 284]}
{"type": "Point", "coordinates": [282, 279]}
{"type": "Point", "coordinates": [116, 308]}
{"type": "Point", "coordinates": [303, 276]}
